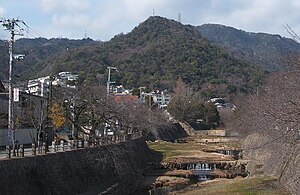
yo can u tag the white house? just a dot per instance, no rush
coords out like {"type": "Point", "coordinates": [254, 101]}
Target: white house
{"type": "Point", "coordinates": [162, 99]}
{"type": "Point", "coordinates": [39, 86]}
{"type": "Point", "coordinates": [64, 77]}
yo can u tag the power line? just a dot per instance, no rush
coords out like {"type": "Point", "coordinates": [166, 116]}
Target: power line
{"type": "Point", "coordinates": [29, 30]}
{"type": "Point", "coordinates": [34, 31]}
{"type": "Point", "coordinates": [294, 35]}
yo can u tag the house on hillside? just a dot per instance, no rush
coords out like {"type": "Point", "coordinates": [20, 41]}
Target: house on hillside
{"type": "Point", "coordinates": [67, 76]}
{"type": "Point", "coordinates": [39, 86]}
{"type": "Point", "coordinates": [66, 79]}
{"type": "Point", "coordinates": [120, 90]}
{"type": "Point", "coordinates": [160, 99]}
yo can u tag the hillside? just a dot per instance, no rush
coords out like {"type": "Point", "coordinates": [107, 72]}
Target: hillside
{"type": "Point", "coordinates": [155, 54]}
{"type": "Point", "coordinates": [272, 52]}
{"type": "Point", "coordinates": [36, 51]}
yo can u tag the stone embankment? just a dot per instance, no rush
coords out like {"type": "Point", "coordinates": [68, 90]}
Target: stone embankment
{"type": "Point", "coordinates": [113, 169]}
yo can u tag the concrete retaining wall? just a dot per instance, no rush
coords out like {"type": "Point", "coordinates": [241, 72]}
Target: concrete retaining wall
{"type": "Point", "coordinates": [277, 159]}
{"type": "Point", "coordinates": [168, 132]}
{"type": "Point", "coordinates": [115, 169]}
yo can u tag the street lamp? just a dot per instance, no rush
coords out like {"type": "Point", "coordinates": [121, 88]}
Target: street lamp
{"type": "Point", "coordinates": [108, 78]}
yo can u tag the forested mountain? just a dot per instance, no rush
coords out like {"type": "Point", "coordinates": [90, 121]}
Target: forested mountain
{"type": "Point", "coordinates": [36, 51]}
{"type": "Point", "coordinates": [155, 54]}
{"type": "Point", "coordinates": [272, 52]}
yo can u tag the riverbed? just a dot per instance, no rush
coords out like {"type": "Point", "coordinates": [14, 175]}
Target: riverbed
{"type": "Point", "coordinates": [189, 164]}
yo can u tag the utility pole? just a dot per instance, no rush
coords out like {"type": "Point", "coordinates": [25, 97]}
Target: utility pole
{"type": "Point", "coordinates": [10, 25]}
{"type": "Point", "coordinates": [108, 78]}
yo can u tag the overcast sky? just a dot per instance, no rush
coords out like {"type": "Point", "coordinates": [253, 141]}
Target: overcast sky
{"type": "Point", "coordinates": [102, 19]}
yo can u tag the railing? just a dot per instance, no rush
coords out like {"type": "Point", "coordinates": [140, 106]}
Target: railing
{"type": "Point", "coordinates": [21, 151]}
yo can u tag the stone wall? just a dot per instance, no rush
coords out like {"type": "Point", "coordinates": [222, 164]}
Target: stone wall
{"type": "Point", "coordinates": [115, 169]}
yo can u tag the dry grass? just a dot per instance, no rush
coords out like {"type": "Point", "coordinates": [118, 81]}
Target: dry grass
{"type": "Point", "coordinates": [189, 150]}
{"type": "Point", "coordinates": [195, 150]}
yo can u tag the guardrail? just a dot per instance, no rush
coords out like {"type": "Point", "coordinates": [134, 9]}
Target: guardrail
{"type": "Point", "coordinates": [21, 151]}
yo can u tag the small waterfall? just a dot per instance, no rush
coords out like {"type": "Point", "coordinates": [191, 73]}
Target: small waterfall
{"type": "Point", "coordinates": [201, 166]}
{"type": "Point", "coordinates": [202, 170]}
{"type": "Point", "coordinates": [234, 153]}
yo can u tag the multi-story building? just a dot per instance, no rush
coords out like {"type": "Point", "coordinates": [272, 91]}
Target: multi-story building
{"type": "Point", "coordinates": [39, 86]}
{"type": "Point", "coordinates": [161, 99]}
{"type": "Point", "coordinates": [65, 79]}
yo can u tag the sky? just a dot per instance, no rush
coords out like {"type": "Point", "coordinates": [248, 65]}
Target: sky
{"type": "Point", "coordinates": [103, 19]}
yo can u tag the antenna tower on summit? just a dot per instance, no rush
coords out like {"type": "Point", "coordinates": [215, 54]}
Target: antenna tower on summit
{"type": "Point", "coordinates": [179, 17]}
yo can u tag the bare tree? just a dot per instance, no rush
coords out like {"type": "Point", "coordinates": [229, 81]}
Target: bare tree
{"type": "Point", "coordinates": [270, 122]}
{"type": "Point", "coordinates": [91, 113]}
{"type": "Point", "coordinates": [34, 114]}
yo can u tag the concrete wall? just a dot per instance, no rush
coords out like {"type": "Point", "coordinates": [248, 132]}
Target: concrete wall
{"type": "Point", "coordinates": [278, 159]}
{"type": "Point", "coordinates": [24, 136]}
{"type": "Point", "coordinates": [116, 169]}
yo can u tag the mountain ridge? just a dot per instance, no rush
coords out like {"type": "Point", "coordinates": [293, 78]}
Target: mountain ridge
{"type": "Point", "coordinates": [156, 53]}
{"type": "Point", "coordinates": [272, 52]}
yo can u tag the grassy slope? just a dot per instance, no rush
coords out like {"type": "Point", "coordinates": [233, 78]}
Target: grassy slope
{"type": "Point", "coordinates": [170, 150]}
